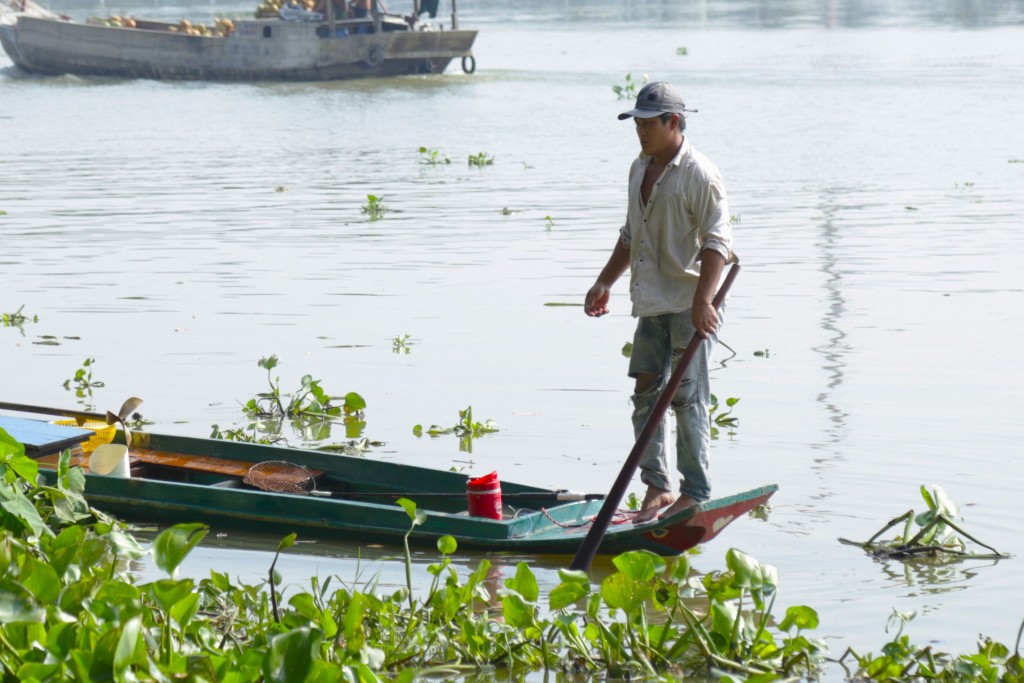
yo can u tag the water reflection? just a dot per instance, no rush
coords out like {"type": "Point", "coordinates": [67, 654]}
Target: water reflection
{"type": "Point", "coordinates": [833, 352]}
{"type": "Point", "coordinates": [931, 578]}
{"type": "Point", "coordinates": [249, 556]}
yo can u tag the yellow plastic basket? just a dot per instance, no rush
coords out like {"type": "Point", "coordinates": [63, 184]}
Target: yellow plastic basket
{"type": "Point", "coordinates": [104, 433]}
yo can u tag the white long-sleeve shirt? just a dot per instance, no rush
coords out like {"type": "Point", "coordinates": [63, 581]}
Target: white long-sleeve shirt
{"type": "Point", "coordinates": [687, 212]}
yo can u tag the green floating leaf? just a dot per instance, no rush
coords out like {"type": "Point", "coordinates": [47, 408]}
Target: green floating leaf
{"type": "Point", "coordinates": [286, 542]}
{"type": "Point", "coordinates": [567, 594]}
{"type": "Point", "coordinates": [169, 592]}
{"type": "Point", "coordinates": [639, 565]}
{"type": "Point", "coordinates": [622, 592]}
{"type": "Point", "coordinates": [172, 545]}
{"type": "Point", "coordinates": [291, 655]}
{"type": "Point", "coordinates": [802, 617]}
{"type": "Point", "coordinates": [746, 569]}
{"type": "Point", "coordinates": [524, 583]}
{"type": "Point", "coordinates": [415, 514]}
{"type": "Point", "coordinates": [517, 612]}
{"type": "Point", "coordinates": [354, 402]}
{"type": "Point", "coordinates": [17, 605]}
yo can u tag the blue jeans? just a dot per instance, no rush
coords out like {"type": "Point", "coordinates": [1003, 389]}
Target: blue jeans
{"type": "Point", "coordinates": [658, 345]}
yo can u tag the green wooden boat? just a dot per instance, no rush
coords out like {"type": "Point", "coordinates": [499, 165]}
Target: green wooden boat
{"type": "Point", "coordinates": [181, 479]}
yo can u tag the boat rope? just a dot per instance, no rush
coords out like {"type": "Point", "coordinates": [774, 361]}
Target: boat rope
{"type": "Point", "coordinates": [620, 517]}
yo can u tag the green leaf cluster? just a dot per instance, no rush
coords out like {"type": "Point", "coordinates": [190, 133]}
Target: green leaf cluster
{"type": "Point", "coordinates": [310, 411]}
{"type": "Point", "coordinates": [628, 90]}
{"type": "Point", "coordinates": [723, 420]}
{"type": "Point", "coordinates": [902, 660]}
{"type": "Point", "coordinates": [466, 429]}
{"type": "Point", "coordinates": [82, 381]}
{"type": "Point", "coordinates": [933, 534]}
{"type": "Point", "coordinates": [480, 160]}
{"type": "Point", "coordinates": [374, 207]}
{"type": "Point", "coordinates": [17, 318]}
{"type": "Point", "coordinates": [433, 157]}
{"type": "Point", "coordinates": [402, 344]}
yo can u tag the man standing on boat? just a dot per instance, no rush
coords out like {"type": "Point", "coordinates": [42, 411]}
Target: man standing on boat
{"type": "Point", "coordinates": [676, 241]}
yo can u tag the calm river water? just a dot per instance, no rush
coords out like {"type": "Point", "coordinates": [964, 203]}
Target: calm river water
{"type": "Point", "coordinates": [874, 155]}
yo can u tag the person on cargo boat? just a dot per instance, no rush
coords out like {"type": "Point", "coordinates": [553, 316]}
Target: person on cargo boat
{"type": "Point", "coordinates": [341, 10]}
{"type": "Point", "coordinates": [360, 9]}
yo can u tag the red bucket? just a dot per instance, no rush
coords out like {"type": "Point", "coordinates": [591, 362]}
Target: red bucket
{"type": "Point", "coordinates": [484, 495]}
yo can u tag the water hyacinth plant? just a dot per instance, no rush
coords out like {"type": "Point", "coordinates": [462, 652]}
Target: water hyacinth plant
{"type": "Point", "coordinates": [310, 412]}
{"type": "Point", "coordinates": [82, 383]}
{"type": "Point", "coordinates": [723, 420]}
{"type": "Point", "coordinates": [433, 157]}
{"type": "Point", "coordinates": [932, 534]}
{"type": "Point", "coordinates": [466, 429]}
{"type": "Point", "coordinates": [481, 159]}
{"type": "Point", "coordinates": [17, 318]}
{"type": "Point", "coordinates": [310, 400]}
{"type": "Point", "coordinates": [402, 344]}
{"type": "Point", "coordinates": [374, 207]}
{"type": "Point", "coordinates": [628, 90]}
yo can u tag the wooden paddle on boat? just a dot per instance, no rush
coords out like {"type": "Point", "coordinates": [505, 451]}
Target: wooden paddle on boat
{"type": "Point", "coordinates": [588, 549]}
{"type": "Point", "coordinates": [56, 412]}
{"type": "Point", "coordinates": [127, 408]}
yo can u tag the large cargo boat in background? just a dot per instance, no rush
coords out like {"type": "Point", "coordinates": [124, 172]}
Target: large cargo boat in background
{"type": "Point", "coordinates": [294, 44]}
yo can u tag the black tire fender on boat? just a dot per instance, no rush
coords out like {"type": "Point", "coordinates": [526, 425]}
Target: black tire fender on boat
{"type": "Point", "coordinates": [374, 56]}
{"type": "Point", "coordinates": [468, 64]}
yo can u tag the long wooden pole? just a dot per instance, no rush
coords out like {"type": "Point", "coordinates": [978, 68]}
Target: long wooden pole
{"type": "Point", "coordinates": [110, 418]}
{"type": "Point", "coordinates": [77, 414]}
{"type": "Point", "coordinates": [588, 549]}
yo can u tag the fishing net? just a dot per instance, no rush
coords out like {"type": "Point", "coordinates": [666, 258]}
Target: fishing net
{"type": "Point", "coordinates": [280, 477]}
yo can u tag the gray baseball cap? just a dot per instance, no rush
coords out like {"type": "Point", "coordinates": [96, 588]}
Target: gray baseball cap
{"type": "Point", "coordinates": [655, 99]}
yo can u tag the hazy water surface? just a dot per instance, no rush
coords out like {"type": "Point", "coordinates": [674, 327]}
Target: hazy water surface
{"type": "Point", "coordinates": [875, 162]}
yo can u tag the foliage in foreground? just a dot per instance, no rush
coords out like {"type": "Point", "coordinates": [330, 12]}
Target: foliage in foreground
{"type": "Point", "coordinates": [70, 610]}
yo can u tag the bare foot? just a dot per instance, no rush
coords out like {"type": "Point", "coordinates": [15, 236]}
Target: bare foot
{"type": "Point", "coordinates": [681, 503]}
{"type": "Point", "coordinates": [654, 500]}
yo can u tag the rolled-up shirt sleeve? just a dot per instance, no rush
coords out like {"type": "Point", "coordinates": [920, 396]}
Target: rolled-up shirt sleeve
{"type": "Point", "coordinates": [710, 206]}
